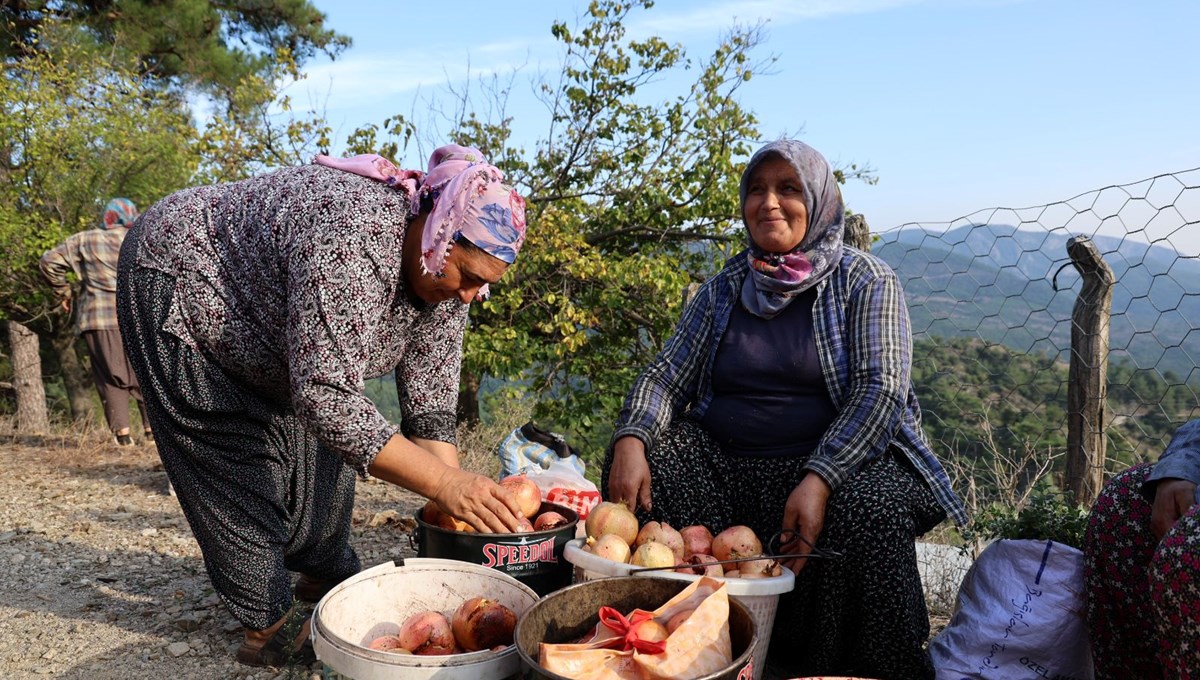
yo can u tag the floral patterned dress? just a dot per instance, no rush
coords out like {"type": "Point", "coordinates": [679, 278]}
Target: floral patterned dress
{"type": "Point", "coordinates": [253, 313]}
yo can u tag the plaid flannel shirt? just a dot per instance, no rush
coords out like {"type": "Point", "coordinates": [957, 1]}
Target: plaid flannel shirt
{"type": "Point", "coordinates": [92, 256]}
{"type": "Point", "coordinates": [865, 346]}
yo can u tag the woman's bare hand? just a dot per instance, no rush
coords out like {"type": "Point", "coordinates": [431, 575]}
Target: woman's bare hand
{"type": "Point", "coordinates": [478, 501]}
{"type": "Point", "coordinates": [1172, 499]}
{"type": "Point", "coordinates": [804, 516]}
{"type": "Point", "coordinates": [629, 478]}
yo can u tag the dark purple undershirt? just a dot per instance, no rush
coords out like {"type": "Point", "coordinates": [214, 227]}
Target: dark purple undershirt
{"type": "Point", "coordinates": [769, 395]}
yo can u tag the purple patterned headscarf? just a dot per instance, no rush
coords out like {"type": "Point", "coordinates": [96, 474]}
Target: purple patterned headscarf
{"type": "Point", "coordinates": [778, 278]}
{"type": "Point", "coordinates": [470, 200]}
{"type": "Point", "coordinates": [119, 212]}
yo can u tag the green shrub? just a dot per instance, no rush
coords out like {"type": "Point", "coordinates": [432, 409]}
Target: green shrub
{"type": "Point", "coordinates": [1046, 515]}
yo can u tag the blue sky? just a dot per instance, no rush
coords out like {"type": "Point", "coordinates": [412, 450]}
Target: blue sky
{"type": "Point", "coordinates": [958, 105]}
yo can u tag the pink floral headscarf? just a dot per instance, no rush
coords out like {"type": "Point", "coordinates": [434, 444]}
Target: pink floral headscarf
{"type": "Point", "coordinates": [470, 200]}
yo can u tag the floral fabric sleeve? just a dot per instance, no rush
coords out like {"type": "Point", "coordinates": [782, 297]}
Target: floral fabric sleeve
{"type": "Point", "coordinates": [427, 377]}
{"type": "Point", "coordinates": [335, 292]}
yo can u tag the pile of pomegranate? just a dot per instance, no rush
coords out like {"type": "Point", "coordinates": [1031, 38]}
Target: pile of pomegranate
{"type": "Point", "coordinates": [477, 624]}
{"type": "Point", "coordinates": [613, 533]}
{"type": "Point", "coordinates": [528, 496]}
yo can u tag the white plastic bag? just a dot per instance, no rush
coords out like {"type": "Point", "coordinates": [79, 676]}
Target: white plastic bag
{"type": "Point", "coordinates": [1019, 615]}
{"type": "Point", "coordinates": [552, 464]}
{"type": "Point", "coordinates": [561, 483]}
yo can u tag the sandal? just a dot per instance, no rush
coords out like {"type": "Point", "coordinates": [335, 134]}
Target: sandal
{"type": "Point", "coordinates": [311, 590]}
{"type": "Point", "coordinates": [281, 650]}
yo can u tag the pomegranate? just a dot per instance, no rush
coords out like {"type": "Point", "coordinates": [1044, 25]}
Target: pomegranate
{"type": "Point", "coordinates": [480, 623]}
{"type": "Point", "coordinates": [612, 518]}
{"type": "Point", "coordinates": [661, 532]}
{"type": "Point", "coordinates": [388, 643]}
{"type": "Point", "coordinates": [427, 633]}
{"type": "Point", "coordinates": [649, 630]}
{"type": "Point", "coordinates": [524, 526]}
{"type": "Point", "coordinates": [651, 554]}
{"type": "Point", "coordinates": [528, 495]}
{"type": "Point", "coordinates": [733, 573]}
{"type": "Point", "coordinates": [549, 520]}
{"type": "Point", "coordinates": [735, 543]}
{"type": "Point", "coordinates": [697, 540]}
{"type": "Point", "coordinates": [433, 514]}
{"type": "Point", "coordinates": [678, 619]}
{"type": "Point", "coordinates": [760, 568]}
{"type": "Point", "coordinates": [703, 564]}
{"type": "Point", "coordinates": [610, 547]}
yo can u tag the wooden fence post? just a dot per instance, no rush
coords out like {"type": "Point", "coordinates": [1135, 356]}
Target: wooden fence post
{"type": "Point", "coordinates": [1088, 377]}
{"type": "Point", "coordinates": [857, 234]}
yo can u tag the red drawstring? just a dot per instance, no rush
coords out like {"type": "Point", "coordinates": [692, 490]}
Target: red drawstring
{"type": "Point", "coordinates": [616, 622]}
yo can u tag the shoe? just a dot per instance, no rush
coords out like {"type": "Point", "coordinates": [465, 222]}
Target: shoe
{"type": "Point", "coordinates": [124, 440]}
{"type": "Point", "coordinates": [312, 590]}
{"type": "Point", "coordinates": [148, 436]}
{"type": "Point", "coordinates": [281, 649]}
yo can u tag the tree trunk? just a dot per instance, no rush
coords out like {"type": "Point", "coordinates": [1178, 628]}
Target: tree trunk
{"type": "Point", "coordinates": [1087, 381]}
{"type": "Point", "coordinates": [468, 400]}
{"type": "Point", "coordinates": [76, 379]}
{"type": "Point", "coordinates": [32, 417]}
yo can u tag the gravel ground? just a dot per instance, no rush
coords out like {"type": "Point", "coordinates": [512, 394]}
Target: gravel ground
{"type": "Point", "coordinates": [100, 576]}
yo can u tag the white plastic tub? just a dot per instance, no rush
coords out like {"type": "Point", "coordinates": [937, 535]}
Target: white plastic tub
{"type": "Point", "coordinates": [375, 602]}
{"type": "Point", "coordinates": [760, 596]}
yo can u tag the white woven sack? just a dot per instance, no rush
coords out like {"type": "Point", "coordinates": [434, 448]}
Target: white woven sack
{"type": "Point", "coordinates": [1019, 616]}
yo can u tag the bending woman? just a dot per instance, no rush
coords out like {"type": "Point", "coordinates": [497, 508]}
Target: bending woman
{"type": "Point", "coordinates": [782, 402]}
{"type": "Point", "coordinates": [253, 312]}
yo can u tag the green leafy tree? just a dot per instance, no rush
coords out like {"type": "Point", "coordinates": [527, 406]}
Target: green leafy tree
{"type": "Point", "coordinates": [97, 102]}
{"type": "Point", "coordinates": [78, 126]}
{"type": "Point", "coordinates": [255, 128]}
{"type": "Point", "coordinates": [193, 43]}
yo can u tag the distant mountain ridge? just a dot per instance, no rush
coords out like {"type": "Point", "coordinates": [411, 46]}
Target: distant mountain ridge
{"type": "Point", "coordinates": [994, 281]}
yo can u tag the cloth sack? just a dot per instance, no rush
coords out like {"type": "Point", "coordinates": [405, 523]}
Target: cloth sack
{"type": "Point", "coordinates": [530, 446]}
{"type": "Point", "coordinates": [699, 646]}
{"type": "Point", "coordinates": [552, 464]}
{"type": "Point", "coordinates": [1019, 616]}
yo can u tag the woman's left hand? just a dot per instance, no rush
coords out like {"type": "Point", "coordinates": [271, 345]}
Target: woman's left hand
{"type": "Point", "coordinates": [1172, 500]}
{"type": "Point", "coordinates": [804, 514]}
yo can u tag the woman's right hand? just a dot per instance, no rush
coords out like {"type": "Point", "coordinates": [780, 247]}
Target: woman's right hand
{"type": "Point", "coordinates": [629, 477]}
{"type": "Point", "coordinates": [478, 501]}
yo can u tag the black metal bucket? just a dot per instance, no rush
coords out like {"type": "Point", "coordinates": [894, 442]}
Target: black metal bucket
{"type": "Point", "coordinates": [534, 558]}
{"type": "Point", "coordinates": [573, 611]}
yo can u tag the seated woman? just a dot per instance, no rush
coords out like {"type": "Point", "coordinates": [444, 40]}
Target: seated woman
{"type": "Point", "coordinates": [1142, 566]}
{"type": "Point", "coordinates": [783, 402]}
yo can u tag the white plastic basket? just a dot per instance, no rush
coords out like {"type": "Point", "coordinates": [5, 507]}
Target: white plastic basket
{"type": "Point", "coordinates": [760, 596]}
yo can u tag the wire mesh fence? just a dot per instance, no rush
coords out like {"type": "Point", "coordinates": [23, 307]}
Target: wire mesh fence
{"type": "Point", "coordinates": [991, 297]}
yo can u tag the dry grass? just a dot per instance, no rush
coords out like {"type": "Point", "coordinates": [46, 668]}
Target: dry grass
{"type": "Point", "coordinates": [477, 444]}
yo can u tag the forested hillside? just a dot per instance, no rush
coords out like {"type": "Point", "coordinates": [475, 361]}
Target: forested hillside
{"type": "Point", "coordinates": [997, 282]}
{"type": "Point", "coordinates": [980, 399]}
